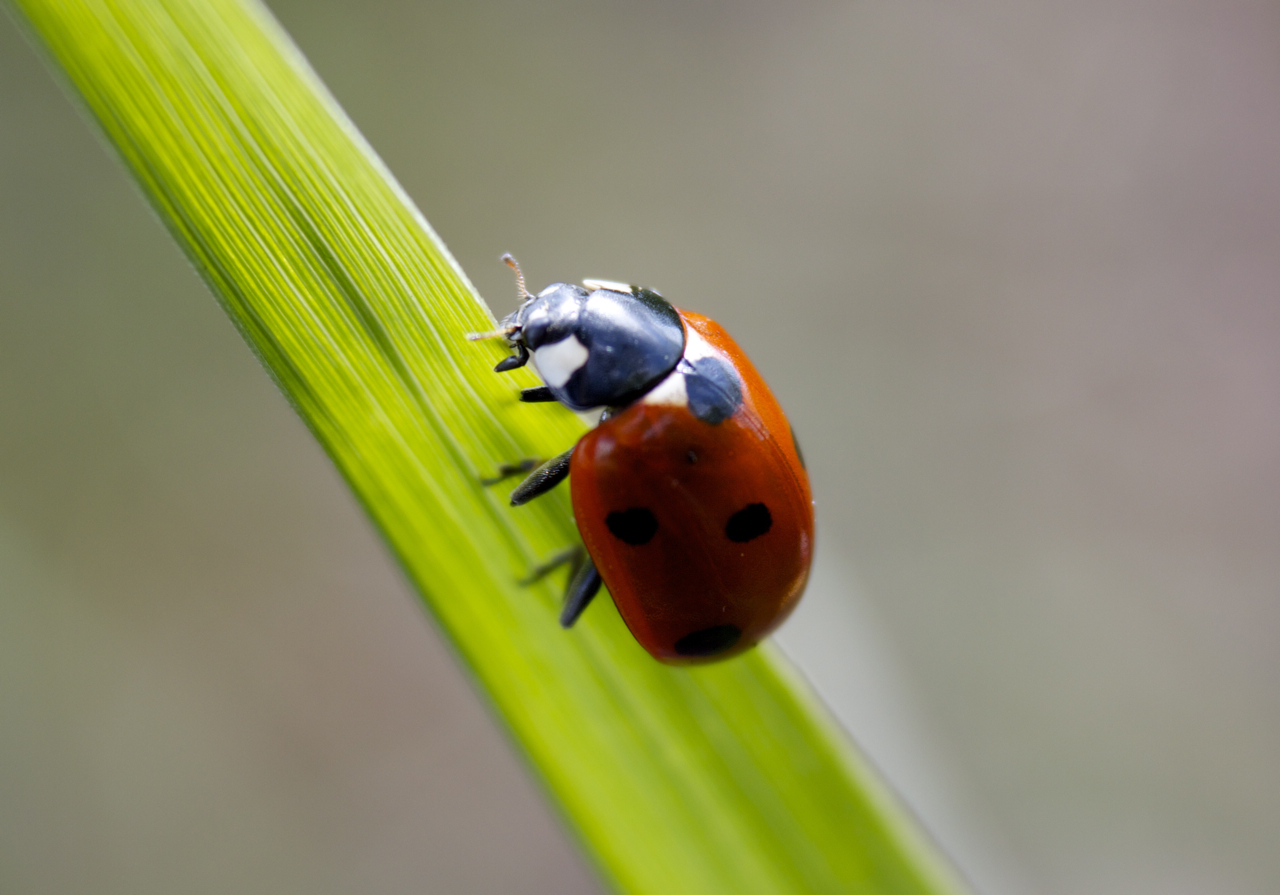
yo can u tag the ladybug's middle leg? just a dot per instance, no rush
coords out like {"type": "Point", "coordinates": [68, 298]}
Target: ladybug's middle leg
{"type": "Point", "coordinates": [535, 471]}
{"type": "Point", "coordinates": [542, 479]}
{"type": "Point", "coordinates": [507, 470]}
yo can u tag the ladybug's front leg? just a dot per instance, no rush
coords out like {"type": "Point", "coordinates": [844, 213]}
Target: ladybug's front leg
{"type": "Point", "coordinates": [539, 394]}
{"type": "Point", "coordinates": [515, 361]}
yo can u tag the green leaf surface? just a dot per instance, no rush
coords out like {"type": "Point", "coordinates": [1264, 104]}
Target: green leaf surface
{"type": "Point", "coordinates": [718, 779]}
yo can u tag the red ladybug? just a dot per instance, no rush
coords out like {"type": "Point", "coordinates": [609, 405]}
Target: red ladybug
{"type": "Point", "coordinates": [691, 494]}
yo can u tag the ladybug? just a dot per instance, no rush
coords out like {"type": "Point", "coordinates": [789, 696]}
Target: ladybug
{"type": "Point", "coordinates": [691, 494]}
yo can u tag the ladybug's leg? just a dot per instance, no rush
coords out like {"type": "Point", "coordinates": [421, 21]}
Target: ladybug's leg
{"type": "Point", "coordinates": [537, 573]}
{"type": "Point", "coordinates": [507, 470]}
{"type": "Point", "coordinates": [538, 395]}
{"type": "Point", "coordinates": [584, 582]}
{"type": "Point", "coordinates": [519, 359]}
{"type": "Point", "coordinates": [542, 479]}
{"type": "Point", "coordinates": [584, 585]}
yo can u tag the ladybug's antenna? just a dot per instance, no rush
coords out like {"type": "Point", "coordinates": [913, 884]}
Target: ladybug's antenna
{"type": "Point", "coordinates": [512, 263]}
{"type": "Point", "coordinates": [525, 298]}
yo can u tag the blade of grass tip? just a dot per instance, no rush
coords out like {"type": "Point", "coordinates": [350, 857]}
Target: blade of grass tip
{"type": "Point", "coordinates": [726, 778]}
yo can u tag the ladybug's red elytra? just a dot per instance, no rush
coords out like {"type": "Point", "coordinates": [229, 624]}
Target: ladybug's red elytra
{"type": "Point", "coordinates": [691, 494]}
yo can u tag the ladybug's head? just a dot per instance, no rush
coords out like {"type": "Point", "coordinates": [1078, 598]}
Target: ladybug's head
{"type": "Point", "coordinates": [602, 344]}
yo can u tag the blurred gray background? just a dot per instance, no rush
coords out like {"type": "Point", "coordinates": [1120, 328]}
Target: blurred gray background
{"type": "Point", "coordinates": [1014, 270]}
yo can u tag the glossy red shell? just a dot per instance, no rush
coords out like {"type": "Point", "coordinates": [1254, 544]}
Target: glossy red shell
{"type": "Point", "coordinates": [693, 477]}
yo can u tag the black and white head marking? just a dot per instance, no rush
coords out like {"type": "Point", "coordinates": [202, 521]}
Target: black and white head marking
{"type": "Point", "coordinates": [556, 363]}
{"type": "Point", "coordinates": [602, 345]}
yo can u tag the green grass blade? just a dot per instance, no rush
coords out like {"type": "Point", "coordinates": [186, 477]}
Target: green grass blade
{"type": "Point", "coordinates": [728, 778]}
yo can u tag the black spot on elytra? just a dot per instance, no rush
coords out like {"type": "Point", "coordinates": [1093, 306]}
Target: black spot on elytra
{"type": "Point", "coordinates": [799, 453]}
{"type": "Point", "coordinates": [714, 389]}
{"type": "Point", "coordinates": [635, 526]}
{"type": "Point", "coordinates": [749, 522]}
{"type": "Point", "coordinates": [708, 641]}
{"type": "Point", "coordinates": [692, 457]}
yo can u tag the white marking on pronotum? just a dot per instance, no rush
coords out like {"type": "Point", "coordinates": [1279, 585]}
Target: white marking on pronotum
{"type": "Point", "coordinates": [673, 390]}
{"type": "Point", "coordinates": [558, 361]}
{"type": "Point", "coordinates": [696, 347]}
{"type": "Point", "coordinates": [611, 285]}
{"type": "Point", "coordinates": [669, 391]}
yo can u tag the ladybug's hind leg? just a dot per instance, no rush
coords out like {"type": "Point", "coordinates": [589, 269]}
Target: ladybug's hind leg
{"type": "Point", "coordinates": [566, 557]}
{"type": "Point", "coordinates": [542, 479]}
{"type": "Point", "coordinates": [583, 587]}
{"type": "Point", "coordinates": [584, 581]}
